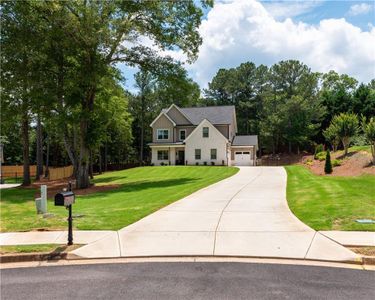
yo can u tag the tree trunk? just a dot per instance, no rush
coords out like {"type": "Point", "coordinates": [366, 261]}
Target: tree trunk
{"type": "Point", "coordinates": [91, 170]}
{"type": "Point", "coordinates": [46, 174]}
{"type": "Point", "coordinates": [373, 152]}
{"type": "Point", "coordinates": [290, 147]}
{"type": "Point", "coordinates": [83, 180]}
{"type": "Point", "coordinates": [100, 161]}
{"type": "Point", "coordinates": [71, 153]}
{"type": "Point", "coordinates": [105, 157]}
{"type": "Point", "coordinates": [142, 129]}
{"type": "Point", "coordinates": [345, 143]}
{"type": "Point", "coordinates": [39, 149]}
{"type": "Point", "coordinates": [25, 141]}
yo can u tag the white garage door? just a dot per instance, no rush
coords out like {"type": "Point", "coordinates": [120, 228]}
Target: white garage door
{"type": "Point", "coordinates": [242, 158]}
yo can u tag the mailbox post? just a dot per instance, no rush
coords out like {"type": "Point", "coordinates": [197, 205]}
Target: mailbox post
{"type": "Point", "coordinates": [70, 219]}
{"type": "Point", "coordinates": [67, 199]}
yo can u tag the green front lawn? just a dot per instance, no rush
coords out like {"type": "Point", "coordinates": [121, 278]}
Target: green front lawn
{"type": "Point", "coordinates": [329, 202]}
{"type": "Point", "coordinates": [29, 248]}
{"type": "Point", "coordinates": [141, 192]}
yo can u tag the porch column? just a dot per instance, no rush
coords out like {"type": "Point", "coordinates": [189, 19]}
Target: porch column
{"type": "Point", "coordinates": [172, 156]}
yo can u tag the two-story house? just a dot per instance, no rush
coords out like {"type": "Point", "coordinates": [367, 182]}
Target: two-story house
{"type": "Point", "coordinates": [200, 135]}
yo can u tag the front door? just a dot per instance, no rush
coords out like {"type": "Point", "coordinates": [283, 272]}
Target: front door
{"type": "Point", "coordinates": [180, 157]}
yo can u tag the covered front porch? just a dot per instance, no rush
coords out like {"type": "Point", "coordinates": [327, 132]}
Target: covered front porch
{"type": "Point", "coordinates": [168, 154]}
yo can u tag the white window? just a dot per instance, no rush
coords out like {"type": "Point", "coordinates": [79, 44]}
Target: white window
{"type": "Point", "coordinates": [205, 131]}
{"type": "Point", "coordinates": [213, 153]}
{"type": "Point", "coordinates": [182, 134]}
{"type": "Point", "coordinates": [162, 134]}
{"type": "Point", "coordinates": [162, 154]}
{"type": "Point", "coordinates": [197, 153]}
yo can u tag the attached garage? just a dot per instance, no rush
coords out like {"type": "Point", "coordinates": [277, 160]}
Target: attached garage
{"type": "Point", "coordinates": [243, 150]}
{"type": "Point", "coordinates": [243, 158]}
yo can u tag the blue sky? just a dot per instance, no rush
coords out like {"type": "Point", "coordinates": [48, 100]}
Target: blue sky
{"type": "Point", "coordinates": [334, 9]}
{"type": "Point", "coordinates": [325, 35]}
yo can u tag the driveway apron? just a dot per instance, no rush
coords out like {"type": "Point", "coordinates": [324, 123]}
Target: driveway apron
{"type": "Point", "coordinates": [244, 215]}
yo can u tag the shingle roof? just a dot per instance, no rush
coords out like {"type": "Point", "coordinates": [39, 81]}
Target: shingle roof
{"type": "Point", "coordinates": [215, 114]}
{"type": "Point", "coordinates": [245, 140]}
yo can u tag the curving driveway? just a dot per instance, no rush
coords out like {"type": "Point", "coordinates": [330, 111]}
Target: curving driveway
{"type": "Point", "coordinates": [244, 215]}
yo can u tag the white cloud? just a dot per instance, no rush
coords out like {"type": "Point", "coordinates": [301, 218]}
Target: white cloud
{"type": "Point", "coordinates": [289, 9]}
{"type": "Point", "coordinates": [244, 30]}
{"type": "Point", "coordinates": [359, 9]}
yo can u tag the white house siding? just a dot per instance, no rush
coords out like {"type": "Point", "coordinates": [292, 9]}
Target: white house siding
{"type": "Point", "coordinates": [215, 141]}
{"type": "Point", "coordinates": [170, 161]}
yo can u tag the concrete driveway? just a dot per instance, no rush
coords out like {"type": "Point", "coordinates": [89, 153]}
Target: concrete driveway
{"type": "Point", "coordinates": [244, 215]}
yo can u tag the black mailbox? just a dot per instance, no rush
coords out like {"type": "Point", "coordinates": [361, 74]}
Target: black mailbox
{"type": "Point", "coordinates": [64, 198]}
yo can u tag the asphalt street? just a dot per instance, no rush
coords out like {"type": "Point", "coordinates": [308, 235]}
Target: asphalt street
{"type": "Point", "coordinates": [186, 280]}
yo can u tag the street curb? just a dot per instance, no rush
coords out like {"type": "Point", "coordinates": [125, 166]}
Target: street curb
{"type": "Point", "coordinates": [26, 257]}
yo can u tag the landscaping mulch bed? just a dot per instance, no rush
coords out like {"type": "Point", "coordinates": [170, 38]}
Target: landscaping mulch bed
{"type": "Point", "coordinates": [355, 164]}
{"type": "Point", "coordinates": [55, 186]}
{"type": "Point", "coordinates": [368, 251]}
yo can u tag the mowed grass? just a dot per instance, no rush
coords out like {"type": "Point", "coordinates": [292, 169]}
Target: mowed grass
{"type": "Point", "coordinates": [141, 191]}
{"type": "Point", "coordinates": [28, 248]}
{"type": "Point", "coordinates": [329, 202]}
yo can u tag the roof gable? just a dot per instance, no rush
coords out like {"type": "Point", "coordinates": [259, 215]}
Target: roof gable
{"type": "Point", "coordinates": [205, 123]}
{"type": "Point", "coordinates": [174, 112]}
{"type": "Point", "coordinates": [162, 115]}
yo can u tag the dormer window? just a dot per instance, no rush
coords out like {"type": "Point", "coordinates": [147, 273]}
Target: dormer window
{"type": "Point", "coordinates": [162, 134]}
{"type": "Point", "coordinates": [205, 131]}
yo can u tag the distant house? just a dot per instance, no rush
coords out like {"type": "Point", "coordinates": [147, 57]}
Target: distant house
{"type": "Point", "coordinates": [201, 135]}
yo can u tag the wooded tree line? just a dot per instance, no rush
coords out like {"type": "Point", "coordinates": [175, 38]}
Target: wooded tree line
{"type": "Point", "coordinates": [61, 88]}
{"type": "Point", "coordinates": [287, 104]}
{"type": "Point", "coordinates": [64, 102]}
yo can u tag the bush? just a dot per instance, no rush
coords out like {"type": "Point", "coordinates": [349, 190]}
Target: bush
{"type": "Point", "coordinates": [205, 163]}
{"type": "Point", "coordinates": [212, 163]}
{"type": "Point", "coordinates": [152, 164]}
{"type": "Point", "coordinates": [162, 163]}
{"type": "Point", "coordinates": [359, 140]}
{"type": "Point", "coordinates": [197, 163]}
{"type": "Point", "coordinates": [320, 156]}
{"type": "Point", "coordinates": [328, 165]}
{"type": "Point", "coordinates": [319, 148]}
{"type": "Point", "coordinates": [336, 162]}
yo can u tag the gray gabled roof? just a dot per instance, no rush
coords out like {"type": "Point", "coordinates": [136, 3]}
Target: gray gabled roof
{"type": "Point", "coordinates": [245, 140]}
{"type": "Point", "coordinates": [215, 114]}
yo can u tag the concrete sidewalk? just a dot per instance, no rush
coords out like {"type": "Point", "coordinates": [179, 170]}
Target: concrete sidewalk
{"type": "Point", "coordinates": [4, 186]}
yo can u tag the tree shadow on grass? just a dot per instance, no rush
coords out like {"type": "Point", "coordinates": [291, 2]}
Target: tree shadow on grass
{"type": "Point", "coordinates": [144, 185]}
{"type": "Point", "coordinates": [17, 195]}
{"type": "Point", "coordinates": [350, 154]}
{"type": "Point", "coordinates": [109, 179]}
{"type": "Point", "coordinates": [22, 195]}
